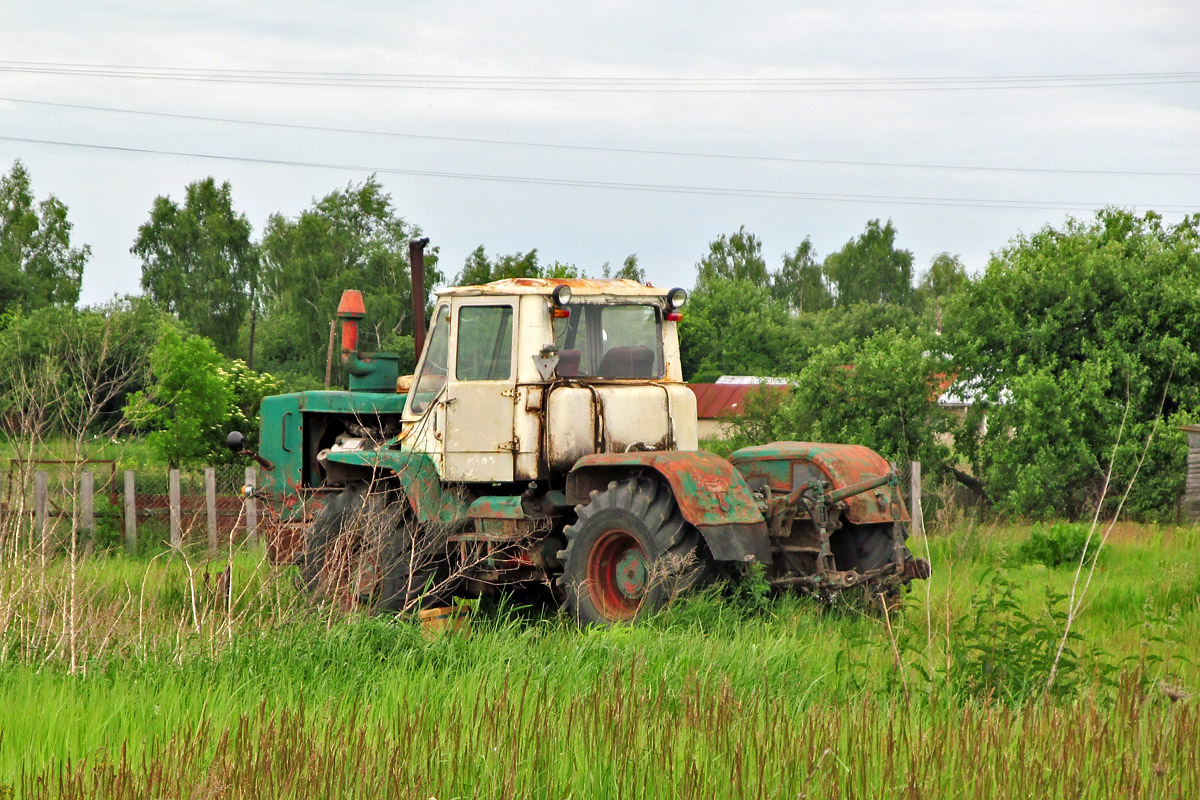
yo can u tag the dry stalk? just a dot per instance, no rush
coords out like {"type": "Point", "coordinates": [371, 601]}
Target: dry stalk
{"type": "Point", "coordinates": [1077, 595]}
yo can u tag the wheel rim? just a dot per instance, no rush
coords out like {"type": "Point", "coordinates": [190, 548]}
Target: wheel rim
{"type": "Point", "coordinates": [618, 572]}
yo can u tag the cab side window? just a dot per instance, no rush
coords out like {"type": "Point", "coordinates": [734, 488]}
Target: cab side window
{"type": "Point", "coordinates": [485, 343]}
{"type": "Point", "coordinates": [433, 369]}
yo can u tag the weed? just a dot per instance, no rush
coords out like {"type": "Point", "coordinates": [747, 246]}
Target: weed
{"type": "Point", "coordinates": [1060, 544]}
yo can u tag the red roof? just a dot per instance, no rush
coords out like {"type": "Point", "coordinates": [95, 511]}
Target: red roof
{"type": "Point", "coordinates": [716, 400]}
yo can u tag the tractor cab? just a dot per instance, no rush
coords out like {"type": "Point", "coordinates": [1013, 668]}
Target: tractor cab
{"type": "Point", "coordinates": [520, 378]}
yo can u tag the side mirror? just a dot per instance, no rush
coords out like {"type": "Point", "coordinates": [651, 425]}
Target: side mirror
{"type": "Point", "coordinates": [235, 441]}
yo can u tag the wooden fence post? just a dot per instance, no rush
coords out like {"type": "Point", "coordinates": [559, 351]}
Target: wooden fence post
{"type": "Point", "coordinates": [251, 508]}
{"type": "Point", "coordinates": [41, 491]}
{"type": "Point", "coordinates": [210, 506]}
{"type": "Point", "coordinates": [130, 512]}
{"type": "Point", "coordinates": [918, 513]}
{"type": "Point", "coordinates": [87, 503]}
{"type": "Point", "coordinates": [176, 514]}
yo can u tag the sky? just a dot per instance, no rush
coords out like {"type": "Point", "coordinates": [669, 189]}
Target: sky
{"type": "Point", "coordinates": [593, 131]}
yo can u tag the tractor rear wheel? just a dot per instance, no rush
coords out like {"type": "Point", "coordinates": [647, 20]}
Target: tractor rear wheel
{"type": "Point", "coordinates": [628, 553]}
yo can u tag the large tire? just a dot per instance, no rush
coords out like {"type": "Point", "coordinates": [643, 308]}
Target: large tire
{"type": "Point", "coordinates": [324, 532]}
{"type": "Point", "coordinates": [866, 547]}
{"type": "Point", "coordinates": [358, 552]}
{"type": "Point", "coordinates": [413, 565]}
{"type": "Point", "coordinates": [628, 553]}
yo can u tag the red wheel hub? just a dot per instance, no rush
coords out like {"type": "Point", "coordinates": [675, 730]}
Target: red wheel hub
{"type": "Point", "coordinates": [618, 572]}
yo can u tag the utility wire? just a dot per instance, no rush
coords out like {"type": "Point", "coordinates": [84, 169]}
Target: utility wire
{"type": "Point", "coordinates": [602, 149]}
{"type": "Point", "coordinates": [626, 186]}
{"type": "Point", "coordinates": [601, 83]}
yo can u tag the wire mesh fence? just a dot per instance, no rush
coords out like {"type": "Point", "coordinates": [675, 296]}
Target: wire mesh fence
{"type": "Point", "coordinates": [92, 501]}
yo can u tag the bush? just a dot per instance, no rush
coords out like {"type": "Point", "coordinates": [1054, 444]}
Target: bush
{"type": "Point", "coordinates": [1056, 545]}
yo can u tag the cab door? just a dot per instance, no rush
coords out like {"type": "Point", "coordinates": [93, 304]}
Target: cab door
{"type": "Point", "coordinates": [480, 397]}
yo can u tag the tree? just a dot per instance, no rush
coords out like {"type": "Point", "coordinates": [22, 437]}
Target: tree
{"type": "Point", "coordinates": [800, 282]}
{"type": "Point", "coordinates": [198, 261]}
{"type": "Point", "coordinates": [479, 269]}
{"type": "Point", "coordinates": [629, 270]}
{"type": "Point", "coordinates": [870, 269]}
{"type": "Point", "coordinates": [946, 276]}
{"type": "Point", "coordinates": [351, 238]}
{"type": "Point", "coordinates": [38, 266]}
{"type": "Point", "coordinates": [1074, 339]}
{"type": "Point", "coordinates": [732, 326]}
{"type": "Point", "coordinates": [68, 371]}
{"type": "Point", "coordinates": [881, 392]}
{"type": "Point", "coordinates": [187, 400]}
{"type": "Point", "coordinates": [734, 257]}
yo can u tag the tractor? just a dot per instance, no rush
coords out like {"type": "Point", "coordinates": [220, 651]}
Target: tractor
{"type": "Point", "coordinates": [547, 439]}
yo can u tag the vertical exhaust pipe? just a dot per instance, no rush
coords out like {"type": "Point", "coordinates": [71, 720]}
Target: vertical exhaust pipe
{"type": "Point", "coordinates": [416, 262]}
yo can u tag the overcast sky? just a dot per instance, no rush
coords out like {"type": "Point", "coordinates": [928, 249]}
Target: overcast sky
{"type": "Point", "coordinates": [1147, 126]}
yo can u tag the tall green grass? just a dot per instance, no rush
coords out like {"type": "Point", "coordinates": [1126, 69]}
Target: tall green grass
{"type": "Point", "coordinates": [270, 697]}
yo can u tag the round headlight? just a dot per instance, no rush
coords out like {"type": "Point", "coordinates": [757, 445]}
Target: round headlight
{"type": "Point", "coordinates": [676, 297]}
{"type": "Point", "coordinates": [562, 295]}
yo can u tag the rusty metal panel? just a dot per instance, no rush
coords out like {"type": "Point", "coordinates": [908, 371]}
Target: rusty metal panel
{"type": "Point", "coordinates": [785, 465]}
{"type": "Point", "coordinates": [707, 488]}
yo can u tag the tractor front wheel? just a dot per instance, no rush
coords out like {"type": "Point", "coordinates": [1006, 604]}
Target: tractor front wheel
{"type": "Point", "coordinates": [628, 553]}
{"type": "Point", "coordinates": [359, 552]}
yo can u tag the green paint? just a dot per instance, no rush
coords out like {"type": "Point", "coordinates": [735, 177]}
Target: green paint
{"type": "Point", "coordinates": [418, 477]}
{"type": "Point", "coordinates": [374, 372]}
{"type": "Point", "coordinates": [497, 507]}
{"type": "Point", "coordinates": [707, 487]}
{"type": "Point", "coordinates": [283, 425]}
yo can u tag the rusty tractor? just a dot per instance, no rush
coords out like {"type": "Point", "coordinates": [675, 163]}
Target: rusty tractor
{"type": "Point", "coordinates": [547, 439]}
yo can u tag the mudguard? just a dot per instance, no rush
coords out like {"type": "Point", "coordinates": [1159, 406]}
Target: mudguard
{"type": "Point", "coordinates": [418, 477]}
{"type": "Point", "coordinates": [711, 495]}
{"type": "Point", "coordinates": [785, 465]}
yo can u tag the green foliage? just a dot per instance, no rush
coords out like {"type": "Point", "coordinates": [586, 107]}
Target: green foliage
{"type": "Point", "coordinates": [733, 326]}
{"type": "Point", "coordinates": [110, 523]}
{"type": "Point", "coordinates": [1068, 334]}
{"type": "Point", "coordinates": [38, 266]}
{"type": "Point", "coordinates": [187, 400]}
{"type": "Point", "coordinates": [1003, 652]}
{"type": "Point", "coordinates": [800, 282]}
{"type": "Point", "coordinates": [946, 276]}
{"type": "Point", "coordinates": [870, 269]}
{"type": "Point", "coordinates": [351, 238]}
{"type": "Point", "coordinates": [198, 261]}
{"type": "Point", "coordinates": [629, 270]}
{"type": "Point", "coordinates": [247, 389]}
{"type": "Point", "coordinates": [61, 369]}
{"type": "Point", "coordinates": [479, 269]}
{"type": "Point", "coordinates": [736, 257]}
{"type": "Point", "coordinates": [1060, 544]}
{"type": "Point", "coordinates": [880, 392]}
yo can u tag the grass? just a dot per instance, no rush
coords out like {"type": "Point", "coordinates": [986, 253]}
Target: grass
{"type": "Point", "coordinates": [172, 691]}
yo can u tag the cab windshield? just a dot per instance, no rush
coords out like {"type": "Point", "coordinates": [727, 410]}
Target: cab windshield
{"type": "Point", "coordinates": [600, 340]}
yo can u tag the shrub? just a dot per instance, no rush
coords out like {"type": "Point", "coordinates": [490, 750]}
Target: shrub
{"type": "Point", "coordinates": [1056, 545]}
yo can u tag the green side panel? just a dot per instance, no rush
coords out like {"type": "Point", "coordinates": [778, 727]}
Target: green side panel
{"type": "Point", "coordinates": [338, 402]}
{"type": "Point", "coordinates": [282, 440]}
{"type": "Point", "coordinates": [497, 507]}
{"type": "Point", "coordinates": [419, 478]}
{"type": "Point", "coordinates": [282, 443]}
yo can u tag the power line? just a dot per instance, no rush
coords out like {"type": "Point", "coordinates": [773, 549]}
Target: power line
{"type": "Point", "coordinates": [625, 186]}
{"type": "Point", "coordinates": [636, 84]}
{"type": "Point", "coordinates": [602, 149]}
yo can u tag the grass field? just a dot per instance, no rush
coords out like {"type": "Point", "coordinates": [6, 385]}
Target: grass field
{"type": "Point", "coordinates": [166, 687]}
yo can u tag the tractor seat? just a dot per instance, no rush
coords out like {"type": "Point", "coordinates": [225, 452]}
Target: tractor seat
{"type": "Point", "coordinates": [568, 363]}
{"type": "Point", "coordinates": [627, 362]}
